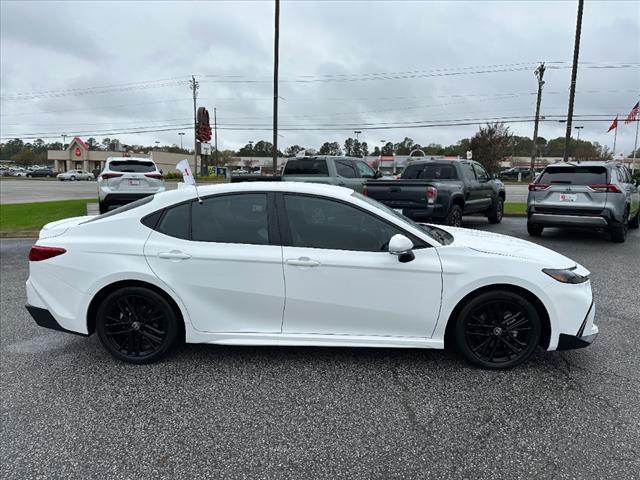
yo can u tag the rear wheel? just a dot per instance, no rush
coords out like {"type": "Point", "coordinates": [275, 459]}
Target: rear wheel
{"type": "Point", "coordinates": [454, 217]}
{"type": "Point", "coordinates": [635, 221]}
{"type": "Point", "coordinates": [496, 211]}
{"type": "Point", "coordinates": [73, 178]}
{"type": "Point", "coordinates": [534, 229]}
{"type": "Point", "coordinates": [136, 325]}
{"type": "Point", "coordinates": [498, 330]}
{"type": "Point", "coordinates": [102, 207]}
{"type": "Point", "coordinates": [619, 229]}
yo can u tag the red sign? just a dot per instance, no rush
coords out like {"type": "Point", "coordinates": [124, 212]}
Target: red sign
{"type": "Point", "coordinates": [78, 153]}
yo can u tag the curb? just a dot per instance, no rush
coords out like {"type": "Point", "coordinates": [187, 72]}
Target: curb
{"type": "Point", "coordinates": [19, 234]}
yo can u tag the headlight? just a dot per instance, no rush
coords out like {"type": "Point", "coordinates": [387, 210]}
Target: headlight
{"type": "Point", "coordinates": [566, 275]}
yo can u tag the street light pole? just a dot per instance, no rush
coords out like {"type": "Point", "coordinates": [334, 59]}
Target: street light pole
{"type": "Point", "coordinates": [577, 143]}
{"type": "Point", "coordinates": [181, 135]}
{"type": "Point", "coordinates": [276, 56]}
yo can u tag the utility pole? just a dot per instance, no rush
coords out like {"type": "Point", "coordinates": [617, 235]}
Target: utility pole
{"type": "Point", "coordinates": [574, 74]}
{"type": "Point", "coordinates": [215, 135]}
{"type": "Point", "coordinates": [539, 73]}
{"type": "Point", "coordinates": [276, 53]}
{"type": "Point", "coordinates": [577, 143]}
{"type": "Point", "coordinates": [64, 139]}
{"type": "Point", "coordinates": [635, 147]}
{"type": "Point", "coordinates": [194, 88]}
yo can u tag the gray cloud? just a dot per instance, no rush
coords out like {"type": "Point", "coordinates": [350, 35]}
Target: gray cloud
{"type": "Point", "coordinates": [55, 46]}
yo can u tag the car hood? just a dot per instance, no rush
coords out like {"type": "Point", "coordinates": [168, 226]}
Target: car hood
{"type": "Point", "coordinates": [496, 244]}
{"type": "Point", "coordinates": [57, 228]}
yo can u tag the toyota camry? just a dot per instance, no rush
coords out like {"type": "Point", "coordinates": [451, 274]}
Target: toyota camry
{"type": "Point", "coordinates": [279, 263]}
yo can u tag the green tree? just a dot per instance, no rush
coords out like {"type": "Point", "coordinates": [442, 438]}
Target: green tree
{"type": "Point", "coordinates": [105, 143]}
{"type": "Point", "coordinates": [11, 148]}
{"type": "Point", "coordinates": [364, 149]}
{"type": "Point", "coordinates": [92, 143]}
{"type": "Point", "coordinates": [24, 158]}
{"type": "Point", "coordinates": [491, 144]}
{"type": "Point", "coordinates": [376, 151]}
{"type": "Point", "coordinates": [246, 151]}
{"type": "Point", "coordinates": [388, 149]}
{"type": "Point", "coordinates": [293, 150]}
{"type": "Point", "coordinates": [330, 148]}
{"type": "Point", "coordinates": [433, 149]}
{"type": "Point", "coordinates": [405, 146]}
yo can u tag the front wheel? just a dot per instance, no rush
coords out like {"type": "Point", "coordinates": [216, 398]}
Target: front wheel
{"type": "Point", "coordinates": [496, 211]}
{"type": "Point", "coordinates": [136, 325]}
{"type": "Point", "coordinates": [454, 217]}
{"type": "Point", "coordinates": [73, 179]}
{"type": "Point", "coordinates": [498, 330]}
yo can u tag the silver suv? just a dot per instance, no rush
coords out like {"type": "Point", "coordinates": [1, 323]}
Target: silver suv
{"type": "Point", "coordinates": [587, 194]}
{"type": "Point", "coordinates": [125, 179]}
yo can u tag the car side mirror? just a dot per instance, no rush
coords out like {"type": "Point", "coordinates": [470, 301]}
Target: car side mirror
{"type": "Point", "coordinates": [378, 174]}
{"type": "Point", "coordinates": [402, 247]}
{"type": "Point", "coordinates": [161, 172]}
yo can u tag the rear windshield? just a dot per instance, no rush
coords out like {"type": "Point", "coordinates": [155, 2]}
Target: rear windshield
{"type": "Point", "coordinates": [574, 175]}
{"type": "Point", "coordinates": [134, 166]}
{"type": "Point", "coordinates": [430, 171]}
{"type": "Point", "coordinates": [307, 167]}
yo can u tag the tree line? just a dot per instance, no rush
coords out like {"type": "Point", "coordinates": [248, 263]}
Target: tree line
{"type": "Point", "coordinates": [490, 144]}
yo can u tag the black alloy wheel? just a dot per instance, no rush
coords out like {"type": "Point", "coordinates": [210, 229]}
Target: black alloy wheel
{"type": "Point", "coordinates": [136, 325]}
{"type": "Point", "coordinates": [454, 217]}
{"type": "Point", "coordinates": [498, 330]}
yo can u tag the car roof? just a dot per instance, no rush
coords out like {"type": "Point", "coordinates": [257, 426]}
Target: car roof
{"type": "Point", "coordinates": [189, 192]}
{"type": "Point", "coordinates": [135, 159]}
{"type": "Point", "coordinates": [587, 163]}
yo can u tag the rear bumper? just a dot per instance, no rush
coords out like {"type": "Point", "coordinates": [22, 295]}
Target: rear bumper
{"type": "Point", "coordinates": [44, 319]}
{"type": "Point", "coordinates": [570, 217]}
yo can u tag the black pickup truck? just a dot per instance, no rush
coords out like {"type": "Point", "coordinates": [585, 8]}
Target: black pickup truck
{"type": "Point", "coordinates": [441, 190]}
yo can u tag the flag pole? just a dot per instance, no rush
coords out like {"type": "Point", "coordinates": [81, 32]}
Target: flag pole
{"type": "Point", "coordinates": [615, 137]}
{"type": "Point", "coordinates": [635, 147]}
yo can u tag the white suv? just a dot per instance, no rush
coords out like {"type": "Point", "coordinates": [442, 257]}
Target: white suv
{"type": "Point", "coordinates": [125, 179]}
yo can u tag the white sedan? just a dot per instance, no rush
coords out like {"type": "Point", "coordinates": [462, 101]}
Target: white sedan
{"type": "Point", "coordinates": [73, 175]}
{"type": "Point", "coordinates": [280, 263]}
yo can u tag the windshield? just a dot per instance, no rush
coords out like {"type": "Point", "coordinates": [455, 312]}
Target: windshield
{"type": "Point", "coordinates": [381, 206]}
{"type": "Point", "coordinates": [132, 166]}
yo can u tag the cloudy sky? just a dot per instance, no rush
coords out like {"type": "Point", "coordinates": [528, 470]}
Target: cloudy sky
{"type": "Point", "coordinates": [93, 68]}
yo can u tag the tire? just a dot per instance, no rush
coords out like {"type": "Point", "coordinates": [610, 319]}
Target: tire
{"type": "Point", "coordinates": [619, 229]}
{"type": "Point", "coordinates": [496, 211]}
{"type": "Point", "coordinates": [454, 217]}
{"type": "Point", "coordinates": [635, 221]}
{"type": "Point", "coordinates": [534, 229]}
{"type": "Point", "coordinates": [73, 179]}
{"type": "Point", "coordinates": [498, 330]}
{"type": "Point", "coordinates": [136, 325]}
{"type": "Point", "coordinates": [103, 207]}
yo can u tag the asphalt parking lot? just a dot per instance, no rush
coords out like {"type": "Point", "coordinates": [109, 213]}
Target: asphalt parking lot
{"type": "Point", "coordinates": [19, 191]}
{"type": "Point", "coordinates": [70, 411]}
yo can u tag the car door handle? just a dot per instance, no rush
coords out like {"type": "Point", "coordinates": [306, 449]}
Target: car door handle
{"type": "Point", "coordinates": [174, 255]}
{"type": "Point", "coordinates": [302, 262]}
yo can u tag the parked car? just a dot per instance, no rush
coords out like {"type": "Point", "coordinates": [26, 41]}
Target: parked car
{"type": "Point", "coordinates": [74, 175]}
{"type": "Point", "coordinates": [126, 179]}
{"type": "Point", "coordinates": [588, 194]}
{"type": "Point", "coordinates": [40, 172]}
{"type": "Point", "coordinates": [341, 171]}
{"type": "Point", "coordinates": [17, 172]}
{"type": "Point", "coordinates": [213, 270]}
{"type": "Point", "coordinates": [4, 172]}
{"type": "Point", "coordinates": [441, 190]}
{"type": "Point", "coordinates": [513, 172]}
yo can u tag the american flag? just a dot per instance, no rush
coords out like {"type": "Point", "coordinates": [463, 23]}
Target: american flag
{"type": "Point", "coordinates": [633, 114]}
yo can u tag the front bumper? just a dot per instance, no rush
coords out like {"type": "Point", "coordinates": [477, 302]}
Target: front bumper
{"type": "Point", "coordinates": [585, 335]}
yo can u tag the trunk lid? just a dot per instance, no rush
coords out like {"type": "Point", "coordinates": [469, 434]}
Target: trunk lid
{"type": "Point", "coordinates": [57, 228]}
{"type": "Point", "coordinates": [571, 187]}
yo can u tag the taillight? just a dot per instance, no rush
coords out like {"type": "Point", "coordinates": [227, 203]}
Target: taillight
{"type": "Point", "coordinates": [538, 186]}
{"type": "Point", "coordinates": [365, 191]}
{"type": "Point", "coordinates": [157, 176]}
{"type": "Point", "coordinates": [110, 175]}
{"type": "Point", "coordinates": [605, 188]}
{"type": "Point", "coordinates": [432, 192]}
{"type": "Point", "coordinates": [38, 252]}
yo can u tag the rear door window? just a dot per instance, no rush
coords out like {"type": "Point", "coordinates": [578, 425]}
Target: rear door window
{"type": "Point", "coordinates": [574, 175]}
{"type": "Point", "coordinates": [307, 167]}
{"type": "Point", "coordinates": [132, 166]}
{"type": "Point", "coordinates": [240, 218]}
{"type": "Point", "coordinates": [346, 169]}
